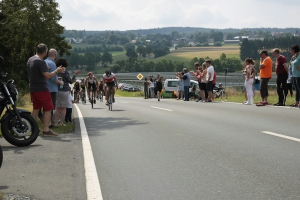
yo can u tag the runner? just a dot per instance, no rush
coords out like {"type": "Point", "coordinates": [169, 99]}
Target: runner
{"type": "Point", "coordinates": [110, 80]}
{"type": "Point", "coordinates": [91, 83]}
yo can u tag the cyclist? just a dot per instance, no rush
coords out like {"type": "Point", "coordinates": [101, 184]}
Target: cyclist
{"type": "Point", "coordinates": [82, 89]}
{"type": "Point", "coordinates": [76, 89]}
{"type": "Point", "coordinates": [101, 88]}
{"type": "Point", "coordinates": [110, 80]}
{"type": "Point", "coordinates": [91, 83]}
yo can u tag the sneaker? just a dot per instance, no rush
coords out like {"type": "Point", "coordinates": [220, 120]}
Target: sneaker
{"type": "Point", "coordinates": [94, 101]}
{"type": "Point", "coordinates": [52, 126]}
{"type": "Point", "coordinates": [279, 104]}
{"type": "Point", "coordinates": [113, 100]}
{"type": "Point", "coordinates": [247, 103]}
{"type": "Point", "coordinates": [266, 103]}
{"type": "Point", "coordinates": [49, 133]}
{"type": "Point", "coordinates": [106, 103]}
{"type": "Point", "coordinates": [260, 104]}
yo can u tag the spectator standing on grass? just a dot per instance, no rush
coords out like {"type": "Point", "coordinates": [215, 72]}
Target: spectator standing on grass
{"type": "Point", "coordinates": [295, 63]}
{"type": "Point", "coordinates": [265, 75]}
{"type": "Point", "coordinates": [197, 75]}
{"type": "Point", "coordinates": [146, 88]}
{"type": "Point", "coordinates": [63, 97]}
{"type": "Point", "coordinates": [249, 80]}
{"type": "Point", "coordinates": [38, 73]}
{"type": "Point", "coordinates": [202, 75]}
{"type": "Point", "coordinates": [282, 76]}
{"type": "Point", "coordinates": [186, 83]}
{"type": "Point", "coordinates": [68, 117]}
{"type": "Point", "coordinates": [209, 77]}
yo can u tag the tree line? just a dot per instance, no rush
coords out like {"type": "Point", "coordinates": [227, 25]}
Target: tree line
{"type": "Point", "coordinates": [252, 48]}
{"type": "Point", "coordinates": [93, 49]}
{"type": "Point", "coordinates": [137, 65]}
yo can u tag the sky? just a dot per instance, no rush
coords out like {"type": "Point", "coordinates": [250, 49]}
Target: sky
{"type": "Point", "coordinates": [140, 14]}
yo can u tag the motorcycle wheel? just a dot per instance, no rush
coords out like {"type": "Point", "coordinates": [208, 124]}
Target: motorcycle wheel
{"type": "Point", "coordinates": [29, 135]}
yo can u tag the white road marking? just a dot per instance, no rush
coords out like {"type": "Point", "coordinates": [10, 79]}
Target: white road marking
{"type": "Point", "coordinates": [282, 136]}
{"type": "Point", "coordinates": [161, 108]}
{"type": "Point", "coordinates": [93, 188]}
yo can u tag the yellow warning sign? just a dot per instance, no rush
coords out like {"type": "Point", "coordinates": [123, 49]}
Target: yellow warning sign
{"type": "Point", "coordinates": [140, 76]}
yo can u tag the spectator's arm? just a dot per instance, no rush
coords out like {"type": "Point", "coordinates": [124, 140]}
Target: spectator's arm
{"type": "Point", "coordinates": [184, 77]}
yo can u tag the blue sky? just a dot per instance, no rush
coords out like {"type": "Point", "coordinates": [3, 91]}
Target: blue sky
{"type": "Point", "coordinates": [140, 14]}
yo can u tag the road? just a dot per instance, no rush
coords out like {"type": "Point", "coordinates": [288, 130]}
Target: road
{"type": "Point", "coordinates": [145, 149]}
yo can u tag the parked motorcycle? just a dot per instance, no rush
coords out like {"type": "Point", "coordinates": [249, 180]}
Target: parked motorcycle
{"type": "Point", "coordinates": [18, 126]}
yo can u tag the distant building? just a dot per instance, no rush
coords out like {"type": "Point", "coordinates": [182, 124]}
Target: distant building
{"type": "Point", "coordinates": [231, 41]}
{"type": "Point", "coordinates": [238, 37]}
{"type": "Point", "coordinates": [133, 41]}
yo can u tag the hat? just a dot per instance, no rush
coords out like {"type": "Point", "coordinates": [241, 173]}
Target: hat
{"type": "Point", "coordinates": [264, 51]}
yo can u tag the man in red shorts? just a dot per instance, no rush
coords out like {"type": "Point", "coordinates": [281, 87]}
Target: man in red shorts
{"type": "Point", "coordinates": [38, 72]}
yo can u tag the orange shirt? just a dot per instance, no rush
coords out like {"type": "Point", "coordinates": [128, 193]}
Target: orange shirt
{"type": "Point", "coordinates": [266, 72]}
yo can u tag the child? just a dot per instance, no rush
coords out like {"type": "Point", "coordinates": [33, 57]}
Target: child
{"type": "Point", "coordinates": [68, 117]}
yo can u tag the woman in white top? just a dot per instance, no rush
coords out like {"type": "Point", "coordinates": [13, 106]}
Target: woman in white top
{"type": "Point", "coordinates": [202, 76]}
{"type": "Point", "coordinates": [249, 79]}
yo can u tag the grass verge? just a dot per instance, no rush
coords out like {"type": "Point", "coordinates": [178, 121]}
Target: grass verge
{"type": "Point", "coordinates": [25, 103]}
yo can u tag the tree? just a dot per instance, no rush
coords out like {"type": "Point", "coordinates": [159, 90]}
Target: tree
{"type": "Point", "coordinates": [131, 53]}
{"type": "Point", "coordinates": [25, 24]}
{"type": "Point", "coordinates": [106, 58]}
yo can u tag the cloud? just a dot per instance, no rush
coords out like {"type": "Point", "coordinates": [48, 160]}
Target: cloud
{"type": "Point", "coordinates": [136, 14]}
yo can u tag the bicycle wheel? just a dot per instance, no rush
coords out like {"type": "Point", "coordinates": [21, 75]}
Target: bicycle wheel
{"type": "Point", "coordinates": [92, 100]}
{"type": "Point", "coordinates": [110, 101]}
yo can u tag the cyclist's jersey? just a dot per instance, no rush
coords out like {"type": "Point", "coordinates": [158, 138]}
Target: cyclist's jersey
{"type": "Point", "coordinates": [91, 80]}
{"type": "Point", "coordinates": [111, 78]}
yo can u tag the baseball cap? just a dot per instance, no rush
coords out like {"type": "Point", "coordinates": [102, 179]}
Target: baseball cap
{"type": "Point", "coordinates": [264, 51]}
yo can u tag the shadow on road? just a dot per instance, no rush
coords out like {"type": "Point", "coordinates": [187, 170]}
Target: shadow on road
{"type": "Point", "coordinates": [94, 124]}
{"type": "Point", "coordinates": [18, 150]}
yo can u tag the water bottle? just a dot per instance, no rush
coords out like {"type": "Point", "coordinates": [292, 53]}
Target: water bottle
{"type": "Point", "coordinates": [60, 86]}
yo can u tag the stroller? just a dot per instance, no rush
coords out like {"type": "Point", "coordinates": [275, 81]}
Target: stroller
{"type": "Point", "coordinates": [219, 92]}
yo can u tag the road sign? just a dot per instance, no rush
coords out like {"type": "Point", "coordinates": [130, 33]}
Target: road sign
{"type": "Point", "coordinates": [140, 76]}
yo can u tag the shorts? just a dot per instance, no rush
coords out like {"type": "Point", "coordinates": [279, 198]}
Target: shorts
{"type": "Point", "coordinates": [209, 86]}
{"type": "Point", "coordinates": [53, 97]}
{"type": "Point", "coordinates": [180, 89]}
{"type": "Point", "coordinates": [202, 86]}
{"type": "Point", "coordinates": [63, 99]}
{"type": "Point", "coordinates": [111, 84]}
{"type": "Point", "coordinates": [42, 100]}
{"type": "Point", "coordinates": [92, 86]}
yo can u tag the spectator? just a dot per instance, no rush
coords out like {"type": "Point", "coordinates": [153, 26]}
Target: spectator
{"type": "Point", "coordinates": [159, 86]}
{"type": "Point", "coordinates": [76, 90]}
{"type": "Point", "coordinates": [289, 81]}
{"type": "Point", "coordinates": [282, 76]}
{"type": "Point", "coordinates": [180, 85]}
{"type": "Point", "coordinates": [209, 77]}
{"type": "Point", "coordinates": [203, 91]}
{"type": "Point", "coordinates": [38, 72]}
{"type": "Point", "coordinates": [249, 79]}
{"type": "Point", "coordinates": [63, 97]}
{"type": "Point", "coordinates": [186, 83]}
{"type": "Point", "coordinates": [197, 75]}
{"type": "Point", "coordinates": [295, 63]}
{"type": "Point", "coordinates": [265, 75]}
{"type": "Point", "coordinates": [151, 86]}
{"type": "Point", "coordinates": [146, 88]}
{"type": "Point", "coordinates": [68, 117]}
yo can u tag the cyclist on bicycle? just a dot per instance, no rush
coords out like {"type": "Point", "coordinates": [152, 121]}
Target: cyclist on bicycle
{"type": "Point", "coordinates": [91, 83]}
{"type": "Point", "coordinates": [82, 89]}
{"type": "Point", "coordinates": [110, 80]}
{"type": "Point", "coordinates": [101, 88]}
{"type": "Point", "coordinates": [76, 89]}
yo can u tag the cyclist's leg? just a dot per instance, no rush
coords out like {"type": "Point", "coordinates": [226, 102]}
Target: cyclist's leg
{"type": "Point", "coordinates": [114, 91]}
{"type": "Point", "coordinates": [106, 93]}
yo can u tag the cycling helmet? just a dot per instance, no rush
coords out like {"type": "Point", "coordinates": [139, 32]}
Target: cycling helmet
{"type": "Point", "coordinates": [108, 72]}
{"type": "Point", "coordinates": [90, 73]}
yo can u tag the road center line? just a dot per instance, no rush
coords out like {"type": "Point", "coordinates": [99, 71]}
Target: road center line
{"type": "Point", "coordinates": [161, 108]}
{"type": "Point", "coordinates": [93, 189]}
{"type": "Point", "coordinates": [282, 136]}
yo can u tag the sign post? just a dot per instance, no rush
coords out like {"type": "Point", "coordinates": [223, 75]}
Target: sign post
{"type": "Point", "coordinates": [140, 76]}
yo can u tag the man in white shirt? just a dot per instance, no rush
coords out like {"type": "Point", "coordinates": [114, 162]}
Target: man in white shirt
{"type": "Point", "coordinates": [209, 78]}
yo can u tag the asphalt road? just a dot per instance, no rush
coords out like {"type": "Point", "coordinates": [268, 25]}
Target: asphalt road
{"type": "Point", "coordinates": [145, 149]}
